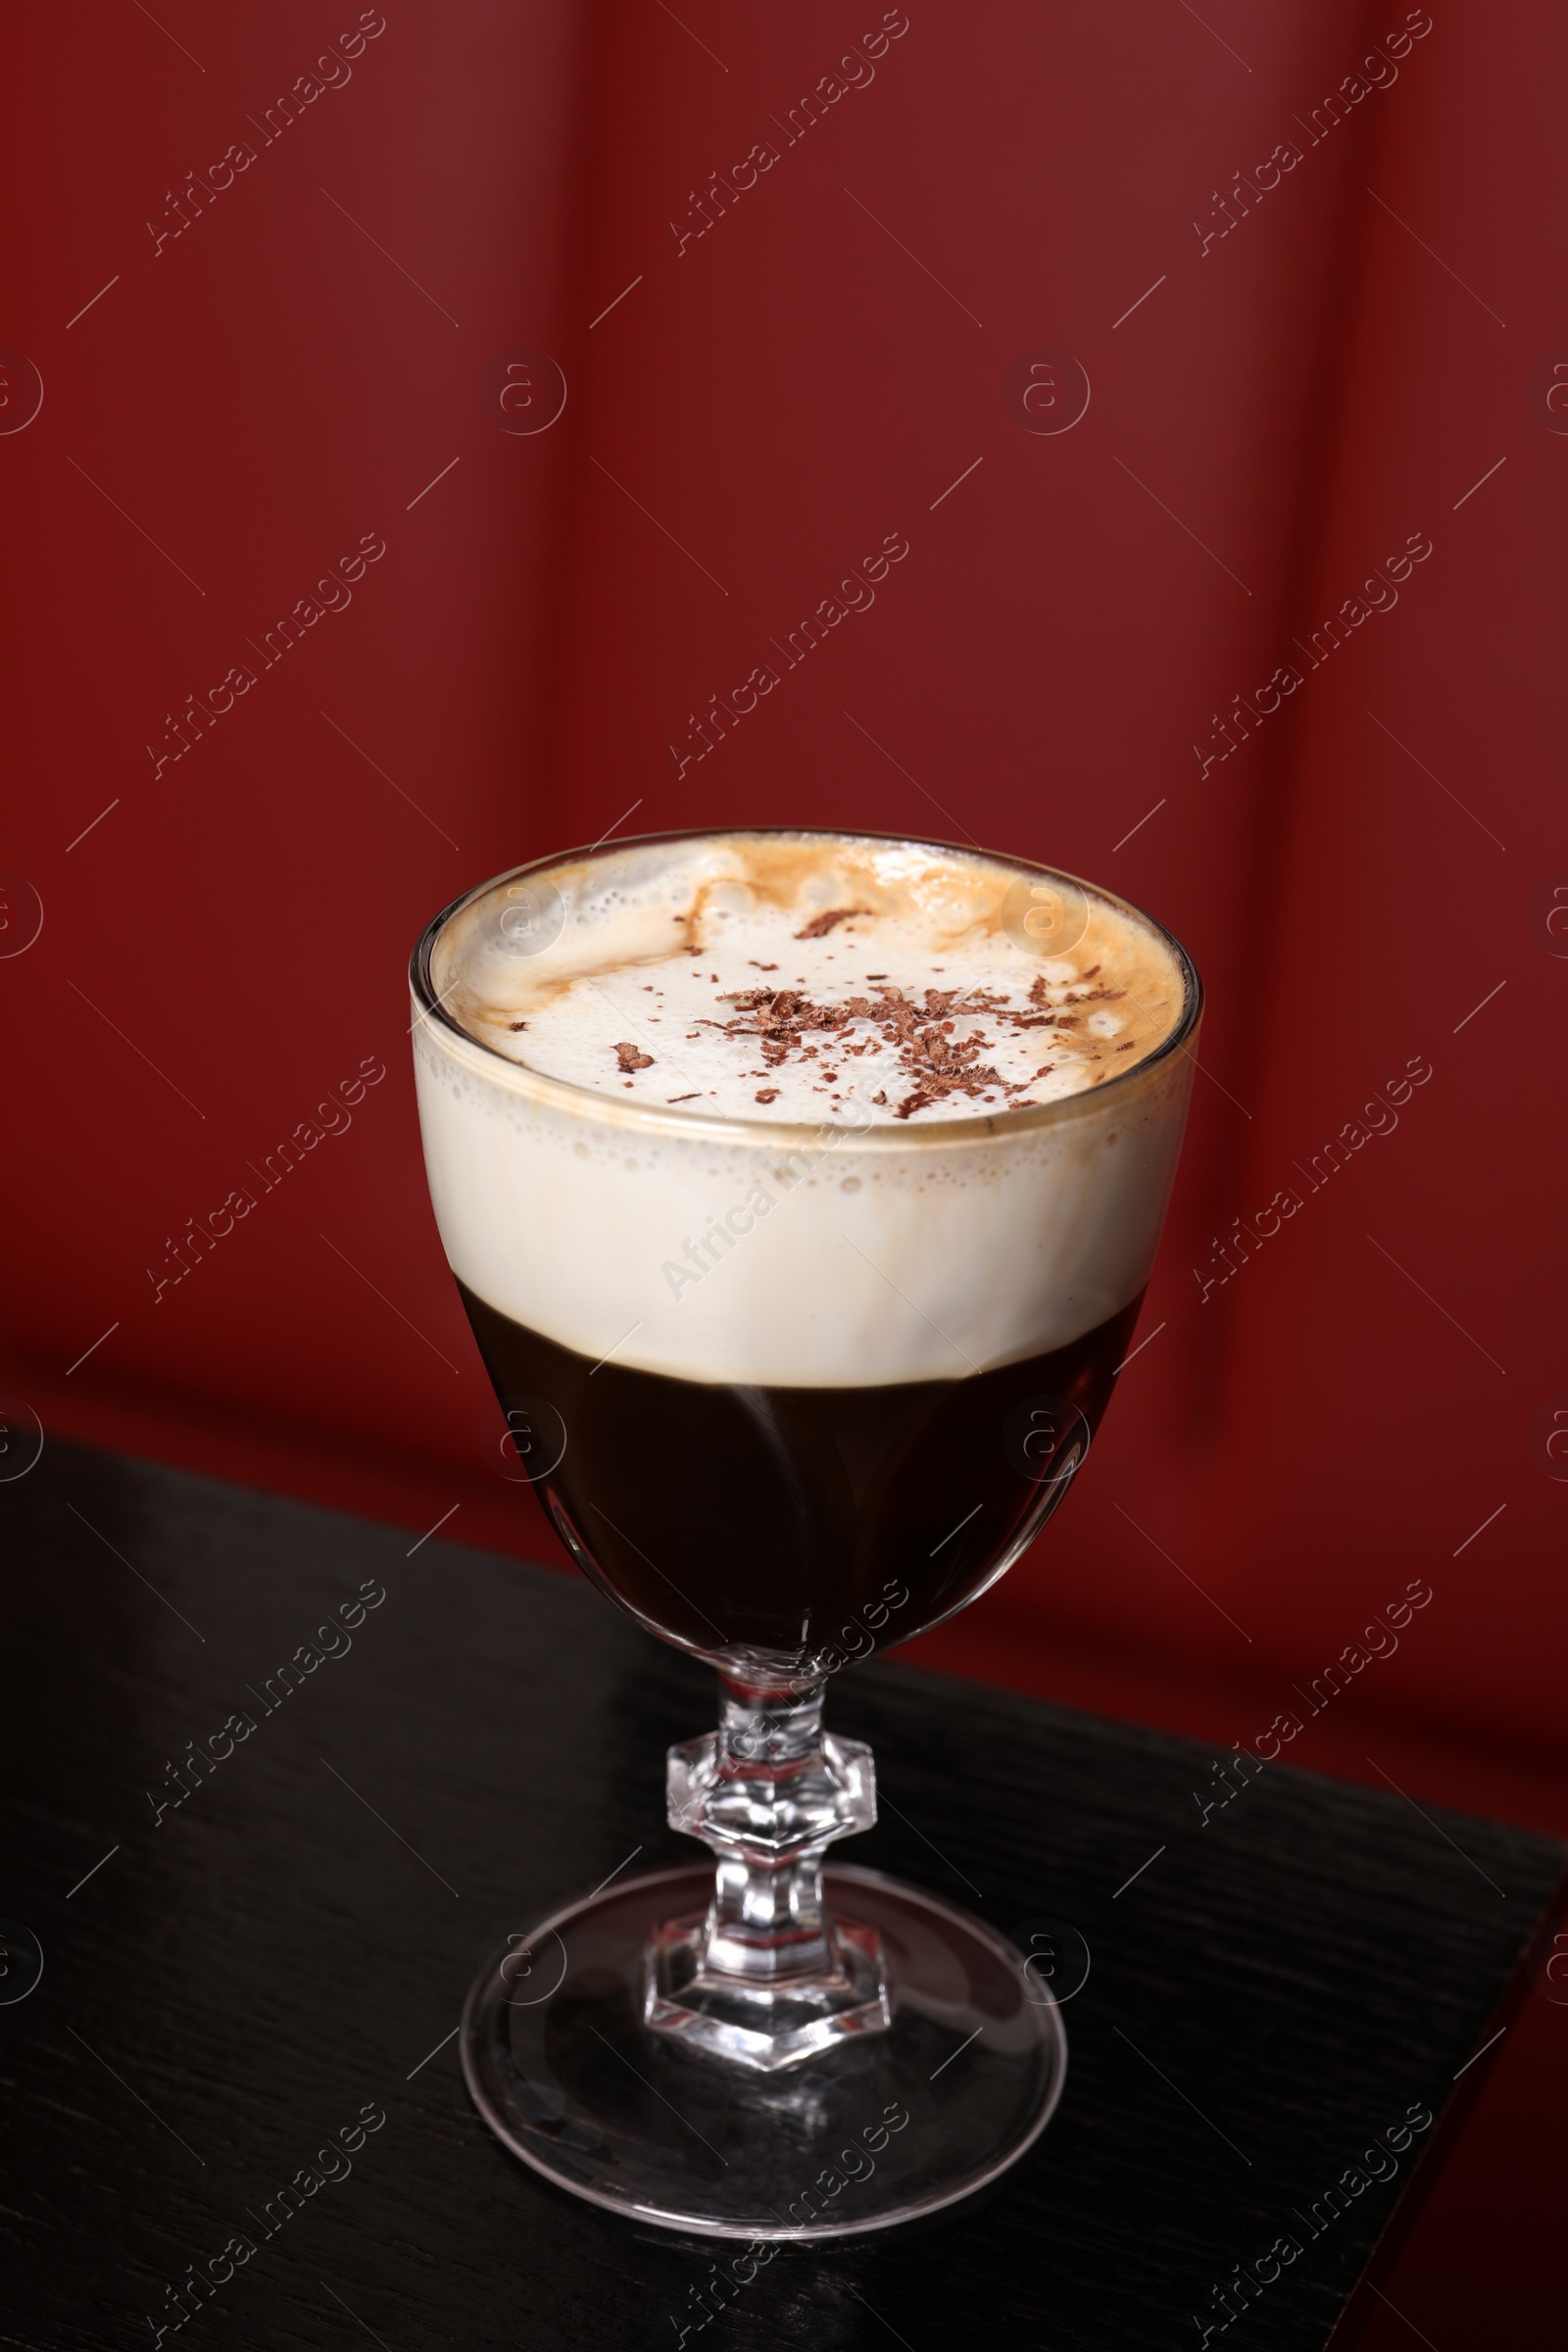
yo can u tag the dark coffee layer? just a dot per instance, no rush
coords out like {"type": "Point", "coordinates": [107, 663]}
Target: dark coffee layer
{"type": "Point", "coordinates": [781, 1525]}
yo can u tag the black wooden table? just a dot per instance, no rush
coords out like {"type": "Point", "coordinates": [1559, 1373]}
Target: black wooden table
{"type": "Point", "coordinates": [258, 1983]}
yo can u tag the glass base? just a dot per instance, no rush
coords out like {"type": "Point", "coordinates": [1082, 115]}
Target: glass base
{"type": "Point", "coordinates": [879, 2127]}
{"type": "Point", "coordinates": [763, 2026]}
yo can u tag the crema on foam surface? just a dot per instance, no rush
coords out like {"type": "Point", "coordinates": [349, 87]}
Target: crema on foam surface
{"type": "Point", "coordinates": [796, 1110]}
{"type": "Point", "coordinates": [753, 976]}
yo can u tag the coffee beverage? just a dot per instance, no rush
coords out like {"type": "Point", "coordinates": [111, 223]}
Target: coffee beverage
{"type": "Point", "coordinates": [802, 1190]}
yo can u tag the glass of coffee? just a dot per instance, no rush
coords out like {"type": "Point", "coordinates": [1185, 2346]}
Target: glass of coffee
{"type": "Point", "coordinates": [802, 1189]}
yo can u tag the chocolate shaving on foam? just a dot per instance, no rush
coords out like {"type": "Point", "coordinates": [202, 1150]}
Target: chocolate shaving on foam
{"type": "Point", "coordinates": [939, 1062]}
{"type": "Point", "coordinates": [821, 924]}
{"type": "Point", "coordinates": [631, 1060]}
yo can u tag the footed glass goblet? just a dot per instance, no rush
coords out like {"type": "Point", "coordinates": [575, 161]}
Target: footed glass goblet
{"type": "Point", "coordinates": [792, 1388]}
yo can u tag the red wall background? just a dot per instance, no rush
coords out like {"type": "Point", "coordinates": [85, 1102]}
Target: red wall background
{"type": "Point", "coordinates": [1364, 357]}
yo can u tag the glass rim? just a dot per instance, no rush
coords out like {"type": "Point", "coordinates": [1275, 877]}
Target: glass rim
{"type": "Point", "coordinates": [879, 1135]}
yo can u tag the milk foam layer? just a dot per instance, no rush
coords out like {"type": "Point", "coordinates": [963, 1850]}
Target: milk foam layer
{"type": "Point", "coordinates": [855, 1249]}
{"type": "Point", "coordinates": [789, 979]}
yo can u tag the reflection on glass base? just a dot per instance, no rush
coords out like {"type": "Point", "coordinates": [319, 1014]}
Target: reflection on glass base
{"type": "Point", "coordinates": [882, 2127]}
{"type": "Point", "coordinates": [767, 2026]}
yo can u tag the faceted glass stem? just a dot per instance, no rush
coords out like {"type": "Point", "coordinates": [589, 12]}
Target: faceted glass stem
{"type": "Point", "coordinates": [767, 1978]}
